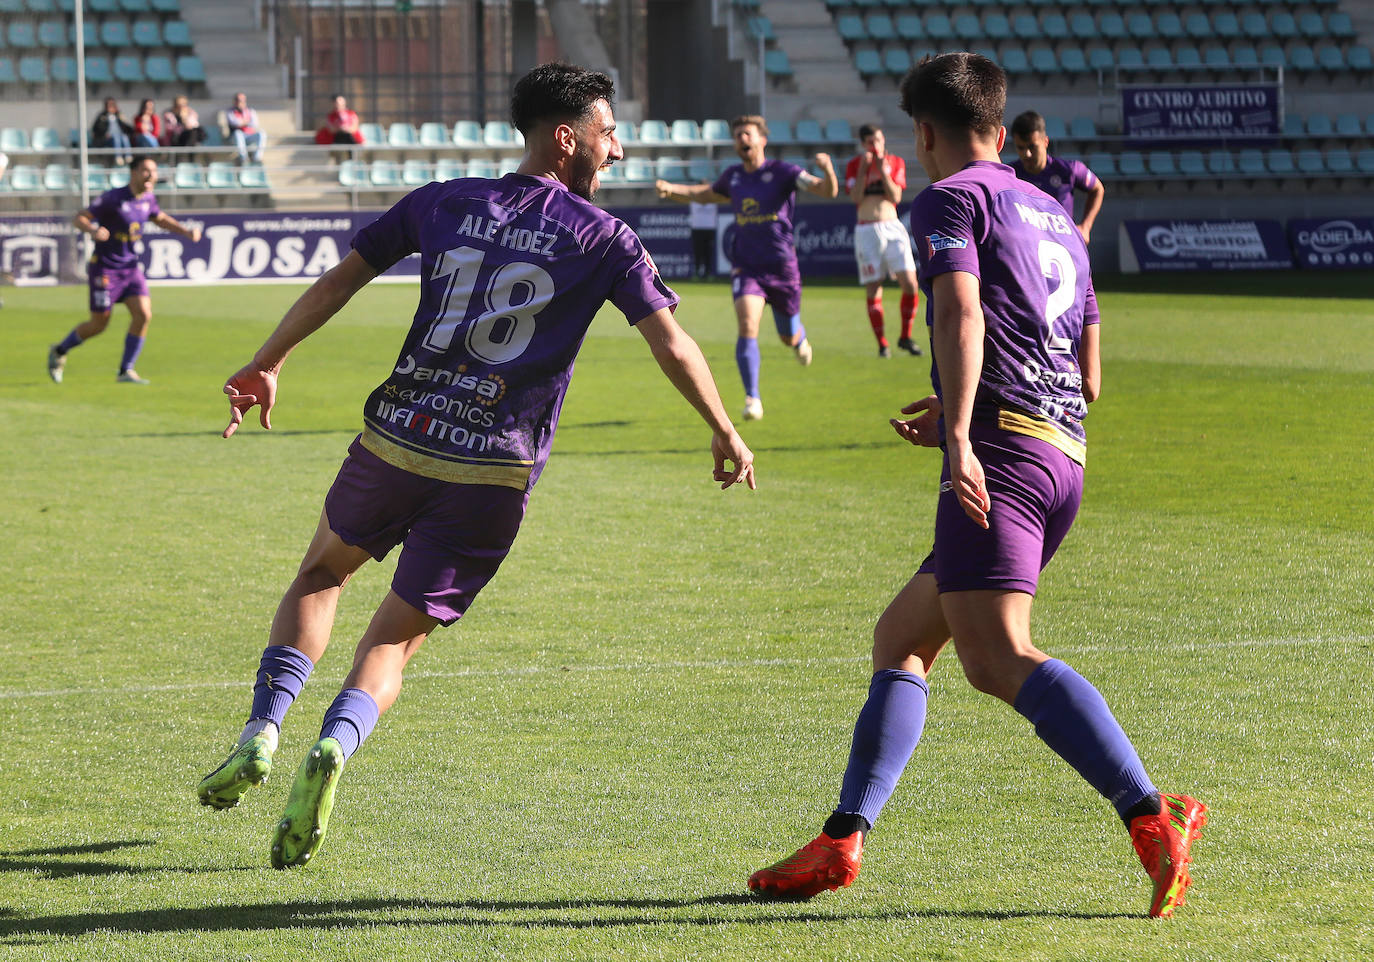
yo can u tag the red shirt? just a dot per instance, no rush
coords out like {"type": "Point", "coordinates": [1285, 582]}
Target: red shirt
{"type": "Point", "coordinates": [896, 168]}
{"type": "Point", "coordinates": [149, 124]}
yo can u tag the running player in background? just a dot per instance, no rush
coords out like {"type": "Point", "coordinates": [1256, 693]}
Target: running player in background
{"type": "Point", "coordinates": [1014, 331]}
{"type": "Point", "coordinates": [512, 273]}
{"type": "Point", "coordinates": [875, 180]}
{"type": "Point", "coordinates": [762, 193]}
{"type": "Point", "coordinates": [1058, 178]}
{"type": "Point", "coordinates": [115, 275]}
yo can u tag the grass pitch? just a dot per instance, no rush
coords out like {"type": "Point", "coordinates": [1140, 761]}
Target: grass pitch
{"type": "Point", "coordinates": [654, 697]}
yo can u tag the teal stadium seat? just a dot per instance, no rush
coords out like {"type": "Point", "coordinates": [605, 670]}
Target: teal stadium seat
{"type": "Point", "coordinates": [1251, 162]}
{"type": "Point", "coordinates": [129, 69]}
{"type": "Point", "coordinates": [22, 36]}
{"type": "Point", "coordinates": [1244, 55]}
{"type": "Point", "coordinates": [416, 173]}
{"type": "Point", "coordinates": [119, 177]}
{"type": "Point", "coordinates": [1187, 57]}
{"type": "Point", "coordinates": [1168, 25]}
{"type": "Point", "coordinates": [1254, 26]}
{"type": "Point", "coordinates": [508, 164]}
{"type": "Point", "coordinates": [14, 140]}
{"type": "Point", "coordinates": [33, 70]}
{"type": "Point", "coordinates": [1271, 55]}
{"type": "Point", "coordinates": [352, 174]}
{"type": "Point", "coordinates": [896, 61]}
{"type": "Point", "coordinates": [1301, 58]}
{"type": "Point", "coordinates": [90, 31]}
{"type": "Point", "coordinates": [1081, 25]}
{"type": "Point", "coordinates": [134, 6]}
{"type": "Point", "coordinates": [97, 179]}
{"type": "Point", "coordinates": [1140, 26]}
{"type": "Point", "coordinates": [115, 33]}
{"type": "Point", "coordinates": [1111, 26]}
{"type": "Point", "coordinates": [1215, 56]}
{"type": "Point", "coordinates": [25, 179]}
{"type": "Point", "coordinates": [1015, 62]}
{"type": "Point", "coordinates": [880, 28]}
{"type": "Point", "coordinates": [1310, 162]}
{"type": "Point", "coordinates": [434, 134]}
{"type": "Point", "coordinates": [1319, 125]}
{"type": "Point", "coordinates": [166, 6]}
{"type": "Point", "coordinates": [1191, 164]}
{"type": "Point", "coordinates": [715, 131]}
{"type": "Point", "coordinates": [254, 178]}
{"type": "Point", "coordinates": [1329, 57]}
{"type": "Point", "coordinates": [1102, 164]}
{"type": "Point", "coordinates": [159, 70]}
{"type": "Point", "coordinates": [45, 139]}
{"type": "Point", "coordinates": [938, 27]}
{"type": "Point", "coordinates": [851, 28]}
{"type": "Point", "coordinates": [1082, 128]}
{"type": "Point", "coordinates": [684, 132]}
{"type": "Point", "coordinates": [12, 6]}
{"type": "Point", "coordinates": [1282, 25]}
{"type": "Point", "coordinates": [373, 134]}
{"type": "Point", "coordinates": [1159, 58]}
{"type": "Point", "coordinates": [809, 132]}
{"type": "Point", "coordinates": [190, 69]}
{"type": "Point", "coordinates": [1359, 58]}
{"type": "Point", "coordinates": [966, 27]}
{"type": "Point", "coordinates": [780, 133]}
{"type": "Point", "coordinates": [908, 26]}
{"type": "Point", "coordinates": [146, 33]}
{"type": "Point", "coordinates": [1279, 162]}
{"type": "Point", "coordinates": [188, 176]}
{"type": "Point", "coordinates": [467, 133]}
{"type": "Point", "coordinates": [177, 34]}
{"type": "Point", "coordinates": [838, 132]}
{"type": "Point", "coordinates": [869, 63]}
{"type": "Point", "coordinates": [481, 167]}
{"type": "Point", "coordinates": [641, 170]}
{"type": "Point", "coordinates": [672, 168]}
{"type": "Point", "coordinates": [1339, 162]}
{"type": "Point", "coordinates": [1225, 25]}
{"type": "Point", "coordinates": [402, 135]}
{"type": "Point", "coordinates": [699, 169]}
{"type": "Point", "coordinates": [449, 168]}
{"type": "Point", "coordinates": [1340, 26]}
{"type": "Point", "coordinates": [627, 131]}
{"type": "Point", "coordinates": [1056, 129]}
{"type": "Point", "coordinates": [98, 70]}
{"type": "Point", "coordinates": [1294, 125]}
{"type": "Point", "coordinates": [654, 132]}
{"type": "Point", "coordinates": [52, 34]}
{"type": "Point", "coordinates": [761, 28]}
{"type": "Point", "coordinates": [103, 6]}
{"type": "Point", "coordinates": [1043, 61]}
{"type": "Point", "coordinates": [1220, 163]}
{"type": "Point", "coordinates": [1311, 25]}
{"type": "Point", "coordinates": [1131, 164]}
{"type": "Point", "coordinates": [1348, 125]}
{"type": "Point", "coordinates": [221, 176]}
{"type": "Point", "coordinates": [776, 64]}
{"type": "Point", "coordinates": [385, 174]}
{"type": "Point", "coordinates": [1364, 161]}
{"type": "Point", "coordinates": [1130, 57]}
{"type": "Point", "coordinates": [1054, 26]}
{"type": "Point", "coordinates": [1100, 58]}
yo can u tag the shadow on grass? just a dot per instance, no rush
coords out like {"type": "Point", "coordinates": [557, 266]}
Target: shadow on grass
{"type": "Point", "coordinates": [554, 914]}
{"type": "Point", "coordinates": [50, 863]}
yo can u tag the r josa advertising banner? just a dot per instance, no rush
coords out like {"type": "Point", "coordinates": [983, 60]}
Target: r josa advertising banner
{"type": "Point", "coordinates": [1201, 112]}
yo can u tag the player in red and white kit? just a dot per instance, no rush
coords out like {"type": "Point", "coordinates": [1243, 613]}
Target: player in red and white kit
{"type": "Point", "coordinates": [875, 180]}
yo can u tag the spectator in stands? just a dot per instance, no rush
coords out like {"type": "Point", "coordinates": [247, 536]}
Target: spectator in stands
{"type": "Point", "coordinates": [112, 131]}
{"type": "Point", "coordinates": [244, 129]}
{"type": "Point", "coordinates": [147, 126]}
{"type": "Point", "coordinates": [701, 218]}
{"type": "Point", "coordinates": [181, 125]}
{"type": "Point", "coordinates": [342, 124]}
{"type": "Point", "coordinates": [875, 180]}
{"type": "Point", "coordinates": [1058, 178]}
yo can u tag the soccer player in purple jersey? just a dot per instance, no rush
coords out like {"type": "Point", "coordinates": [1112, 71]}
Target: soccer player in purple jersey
{"type": "Point", "coordinates": [512, 273]}
{"type": "Point", "coordinates": [1056, 177]}
{"type": "Point", "coordinates": [1014, 333]}
{"type": "Point", "coordinates": [115, 275]}
{"type": "Point", "coordinates": [762, 193]}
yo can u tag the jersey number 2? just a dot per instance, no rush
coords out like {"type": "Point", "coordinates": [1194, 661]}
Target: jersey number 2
{"type": "Point", "coordinates": [515, 292]}
{"type": "Point", "coordinates": [1056, 262]}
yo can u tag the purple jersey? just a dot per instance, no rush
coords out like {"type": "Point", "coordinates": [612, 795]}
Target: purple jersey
{"type": "Point", "coordinates": [123, 215]}
{"type": "Point", "coordinates": [512, 271]}
{"type": "Point", "coordinates": [1059, 179]}
{"type": "Point", "coordinates": [763, 202]}
{"type": "Point", "coordinates": [1036, 292]}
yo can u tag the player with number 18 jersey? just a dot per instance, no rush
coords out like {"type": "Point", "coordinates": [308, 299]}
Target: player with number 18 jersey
{"type": "Point", "coordinates": [474, 396]}
{"type": "Point", "coordinates": [1036, 292]}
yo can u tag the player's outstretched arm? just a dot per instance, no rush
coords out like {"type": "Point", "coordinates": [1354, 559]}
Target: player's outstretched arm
{"type": "Point", "coordinates": [826, 185]}
{"type": "Point", "coordinates": [84, 221]}
{"type": "Point", "coordinates": [688, 193]}
{"type": "Point", "coordinates": [256, 382]}
{"type": "Point", "coordinates": [168, 222]}
{"type": "Point", "coordinates": [682, 361]}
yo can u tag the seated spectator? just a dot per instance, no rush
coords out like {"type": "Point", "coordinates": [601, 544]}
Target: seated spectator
{"type": "Point", "coordinates": [147, 126]}
{"type": "Point", "coordinates": [112, 131]}
{"type": "Point", "coordinates": [181, 125]}
{"type": "Point", "coordinates": [341, 126]}
{"type": "Point", "coordinates": [242, 121]}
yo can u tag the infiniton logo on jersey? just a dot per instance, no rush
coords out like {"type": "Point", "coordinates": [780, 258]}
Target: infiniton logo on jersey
{"type": "Point", "coordinates": [939, 242]}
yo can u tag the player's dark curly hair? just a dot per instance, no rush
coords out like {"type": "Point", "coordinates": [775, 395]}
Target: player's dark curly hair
{"type": "Point", "coordinates": [956, 91]}
{"type": "Point", "coordinates": [559, 93]}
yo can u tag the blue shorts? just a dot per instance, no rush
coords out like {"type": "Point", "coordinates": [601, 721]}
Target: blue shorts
{"type": "Point", "coordinates": [1035, 490]}
{"type": "Point", "coordinates": [453, 536]}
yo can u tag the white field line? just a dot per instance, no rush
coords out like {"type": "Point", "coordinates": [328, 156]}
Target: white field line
{"type": "Point", "coordinates": [722, 664]}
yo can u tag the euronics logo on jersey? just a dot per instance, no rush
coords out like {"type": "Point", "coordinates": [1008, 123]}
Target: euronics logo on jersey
{"type": "Point", "coordinates": [939, 242]}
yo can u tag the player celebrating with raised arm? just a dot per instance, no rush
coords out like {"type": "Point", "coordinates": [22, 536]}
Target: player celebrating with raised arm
{"type": "Point", "coordinates": [1056, 177]}
{"type": "Point", "coordinates": [512, 273]}
{"type": "Point", "coordinates": [875, 180]}
{"type": "Point", "coordinates": [1015, 337]}
{"type": "Point", "coordinates": [115, 275]}
{"type": "Point", "coordinates": [763, 194]}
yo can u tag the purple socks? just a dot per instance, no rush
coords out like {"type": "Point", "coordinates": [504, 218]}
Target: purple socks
{"type": "Point", "coordinates": [747, 358]}
{"type": "Point", "coordinates": [1071, 717]}
{"type": "Point", "coordinates": [281, 676]}
{"type": "Point", "coordinates": [69, 342]}
{"type": "Point", "coordinates": [133, 345]}
{"type": "Point", "coordinates": [350, 719]}
{"type": "Point", "coordinates": [885, 735]}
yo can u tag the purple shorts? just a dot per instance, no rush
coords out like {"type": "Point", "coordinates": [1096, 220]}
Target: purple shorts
{"type": "Point", "coordinates": [782, 292]}
{"type": "Point", "coordinates": [109, 286]}
{"type": "Point", "coordinates": [453, 536]}
{"type": "Point", "coordinates": [1035, 490]}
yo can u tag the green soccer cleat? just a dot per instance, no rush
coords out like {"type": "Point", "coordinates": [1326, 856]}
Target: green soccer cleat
{"type": "Point", "coordinates": [303, 824]}
{"type": "Point", "coordinates": [246, 766]}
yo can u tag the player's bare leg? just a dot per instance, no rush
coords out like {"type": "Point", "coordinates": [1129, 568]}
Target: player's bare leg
{"type": "Point", "coordinates": [908, 638]}
{"type": "Point", "coordinates": [748, 313]}
{"type": "Point", "coordinates": [397, 631]}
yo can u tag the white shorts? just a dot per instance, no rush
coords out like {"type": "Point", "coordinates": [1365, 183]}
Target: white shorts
{"type": "Point", "coordinates": [883, 249]}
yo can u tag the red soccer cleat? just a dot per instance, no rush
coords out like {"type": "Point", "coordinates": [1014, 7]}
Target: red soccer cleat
{"type": "Point", "coordinates": [826, 863]}
{"type": "Point", "coordinates": [1163, 842]}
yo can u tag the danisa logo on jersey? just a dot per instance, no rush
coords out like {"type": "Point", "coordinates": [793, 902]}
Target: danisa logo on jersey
{"type": "Point", "coordinates": [939, 242]}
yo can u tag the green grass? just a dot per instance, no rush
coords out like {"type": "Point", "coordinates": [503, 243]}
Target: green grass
{"type": "Point", "coordinates": [655, 695]}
